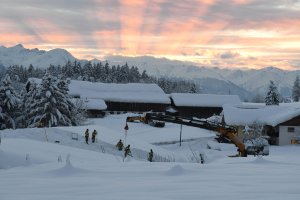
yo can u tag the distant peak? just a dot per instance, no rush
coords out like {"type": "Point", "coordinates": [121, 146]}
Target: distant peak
{"type": "Point", "coordinates": [18, 46]}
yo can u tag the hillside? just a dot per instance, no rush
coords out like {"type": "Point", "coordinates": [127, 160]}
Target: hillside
{"type": "Point", "coordinates": [30, 167]}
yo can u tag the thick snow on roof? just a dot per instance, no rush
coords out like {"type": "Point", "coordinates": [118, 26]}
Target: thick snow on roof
{"type": "Point", "coordinates": [131, 92]}
{"type": "Point", "coordinates": [201, 100]}
{"type": "Point", "coordinates": [268, 115]}
{"type": "Point", "coordinates": [91, 104]}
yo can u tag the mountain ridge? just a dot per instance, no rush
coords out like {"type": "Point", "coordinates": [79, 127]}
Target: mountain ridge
{"type": "Point", "coordinates": [244, 82]}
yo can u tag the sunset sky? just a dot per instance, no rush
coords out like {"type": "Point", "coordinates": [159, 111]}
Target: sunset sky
{"type": "Point", "coordinates": [222, 33]}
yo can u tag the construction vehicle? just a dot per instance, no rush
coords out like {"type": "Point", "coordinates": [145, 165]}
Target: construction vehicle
{"type": "Point", "coordinates": [224, 131]}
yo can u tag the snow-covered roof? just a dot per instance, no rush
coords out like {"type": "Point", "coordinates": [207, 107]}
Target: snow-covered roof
{"type": "Point", "coordinates": [203, 100]}
{"type": "Point", "coordinates": [268, 115]}
{"type": "Point", "coordinates": [91, 104]}
{"type": "Point", "coordinates": [131, 92]}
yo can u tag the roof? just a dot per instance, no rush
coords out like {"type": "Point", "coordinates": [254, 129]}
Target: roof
{"type": "Point", "coordinates": [94, 104]}
{"type": "Point", "coordinates": [130, 92]}
{"type": "Point", "coordinates": [267, 115]}
{"type": "Point", "coordinates": [203, 100]}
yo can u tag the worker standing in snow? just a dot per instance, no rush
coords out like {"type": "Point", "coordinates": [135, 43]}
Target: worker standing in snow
{"type": "Point", "coordinates": [150, 156]}
{"type": "Point", "coordinates": [120, 145]}
{"type": "Point", "coordinates": [94, 136]}
{"type": "Point", "coordinates": [127, 151]}
{"type": "Point", "coordinates": [86, 135]}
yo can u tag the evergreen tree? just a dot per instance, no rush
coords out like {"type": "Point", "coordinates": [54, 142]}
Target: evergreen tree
{"type": "Point", "coordinates": [296, 90]}
{"type": "Point", "coordinates": [52, 105]}
{"type": "Point", "coordinates": [9, 102]}
{"type": "Point", "coordinates": [272, 97]}
{"type": "Point", "coordinates": [29, 103]}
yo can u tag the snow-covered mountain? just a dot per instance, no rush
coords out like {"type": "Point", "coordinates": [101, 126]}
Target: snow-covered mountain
{"type": "Point", "coordinates": [245, 83]}
{"type": "Point", "coordinates": [237, 81]}
{"type": "Point", "coordinates": [18, 55]}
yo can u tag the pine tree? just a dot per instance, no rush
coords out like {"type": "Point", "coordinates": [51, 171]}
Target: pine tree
{"type": "Point", "coordinates": [52, 106]}
{"type": "Point", "coordinates": [296, 90]}
{"type": "Point", "coordinates": [9, 104]}
{"type": "Point", "coordinates": [272, 97]}
{"type": "Point", "coordinates": [29, 103]}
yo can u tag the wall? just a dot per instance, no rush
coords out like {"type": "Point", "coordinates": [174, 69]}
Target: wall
{"type": "Point", "coordinates": [285, 136]}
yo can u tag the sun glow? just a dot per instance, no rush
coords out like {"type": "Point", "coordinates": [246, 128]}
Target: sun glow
{"type": "Point", "coordinates": [210, 32]}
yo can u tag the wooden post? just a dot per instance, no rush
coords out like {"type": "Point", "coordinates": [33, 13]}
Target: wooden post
{"type": "Point", "coordinates": [180, 134]}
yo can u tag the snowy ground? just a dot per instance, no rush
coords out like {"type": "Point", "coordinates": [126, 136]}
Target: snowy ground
{"type": "Point", "coordinates": [29, 167]}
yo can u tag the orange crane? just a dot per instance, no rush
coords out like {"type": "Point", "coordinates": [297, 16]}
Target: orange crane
{"type": "Point", "coordinates": [225, 131]}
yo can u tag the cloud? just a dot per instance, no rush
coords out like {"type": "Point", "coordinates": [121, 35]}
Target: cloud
{"type": "Point", "coordinates": [254, 28]}
{"type": "Point", "coordinates": [229, 55]}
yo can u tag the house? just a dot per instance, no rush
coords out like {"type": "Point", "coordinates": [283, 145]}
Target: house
{"type": "Point", "coordinates": [201, 105]}
{"type": "Point", "coordinates": [281, 123]}
{"type": "Point", "coordinates": [133, 97]}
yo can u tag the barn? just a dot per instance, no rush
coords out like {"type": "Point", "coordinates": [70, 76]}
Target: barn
{"type": "Point", "coordinates": [280, 123]}
{"type": "Point", "coordinates": [201, 105]}
{"type": "Point", "coordinates": [95, 108]}
{"type": "Point", "coordinates": [133, 97]}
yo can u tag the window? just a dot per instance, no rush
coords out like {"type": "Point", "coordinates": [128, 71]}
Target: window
{"type": "Point", "coordinates": [291, 129]}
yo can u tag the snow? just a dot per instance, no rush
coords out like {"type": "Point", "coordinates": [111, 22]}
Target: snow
{"type": "Point", "coordinates": [95, 104]}
{"type": "Point", "coordinates": [203, 100]}
{"type": "Point", "coordinates": [97, 170]}
{"type": "Point", "coordinates": [131, 92]}
{"type": "Point", "coordinates": [267, 115]}
{"type": "Point", "coordinates": [18, 55]}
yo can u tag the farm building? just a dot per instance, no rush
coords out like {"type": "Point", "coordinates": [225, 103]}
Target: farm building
{"type": "Point", "coordinates": [280, 123]}
{"type": "Point", "coordinates": [201, 105]}
{"type": "Point", "coordinates": [134, 97]}
{"type": "Point", "coordinates": [93, 107]}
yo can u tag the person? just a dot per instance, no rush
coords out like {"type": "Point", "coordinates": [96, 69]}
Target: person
{"type": "Point", "coordinates": [127, 151]}
{"type": "Point", "coordinates": [87, 136]}
{"type": "Point", "coordinates": [120, 145]}
{"type": "Point", "coordinates": [94, 136]}
{"type": "Point", "coordinates": [150, 156]}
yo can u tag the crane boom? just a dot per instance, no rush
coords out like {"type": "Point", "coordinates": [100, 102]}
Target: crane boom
{"type": "Point", "coordinates": [228, 132]}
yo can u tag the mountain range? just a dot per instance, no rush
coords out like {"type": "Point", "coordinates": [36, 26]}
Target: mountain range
{"type": "Point", "coordinates": [245, 83]}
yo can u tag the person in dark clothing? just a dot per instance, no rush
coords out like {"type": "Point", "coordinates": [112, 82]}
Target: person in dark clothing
{"type": "Point", "coordinates": [150, 156]}
{"type": "Point", "coordinates": [94, 136]}
{"type": "Point", "coordinates": [127, 151]}
{"type": "Point", "coordinates": [86, 135]}
{"type": "Point", "coordinates": [120, 145]}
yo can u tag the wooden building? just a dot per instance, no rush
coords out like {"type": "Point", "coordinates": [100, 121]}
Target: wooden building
{"type": "Point", "coordinates": [201, 105]}
{"type": "Point", "coordinates": [131, 97]}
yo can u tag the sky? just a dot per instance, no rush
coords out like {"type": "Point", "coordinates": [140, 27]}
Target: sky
{"type": "Point", "coordinates": [217, 33]}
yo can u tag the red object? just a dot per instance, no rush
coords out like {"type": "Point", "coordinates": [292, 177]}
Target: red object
{"type": "Point", "coordinates": [126, 127]}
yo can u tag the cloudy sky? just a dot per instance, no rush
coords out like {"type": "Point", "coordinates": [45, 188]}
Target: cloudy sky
{"type": "Point", "coordinates": [223, 33]}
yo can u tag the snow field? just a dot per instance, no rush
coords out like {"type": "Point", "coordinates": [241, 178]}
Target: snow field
{"type": "Point", "coordinates": [92, 174]}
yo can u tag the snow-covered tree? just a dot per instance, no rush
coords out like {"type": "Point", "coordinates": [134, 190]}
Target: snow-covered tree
{"type": "Point", "coordinates": [296, 90]}
{"type": "Point", "coordinates": [29, 103]}
{"type": "Point", "coordinates": [9, 104]}
{"type": "Point", "coordinates": [52, 103]}
{"type": "Point", "coordinates": [272, 97]}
